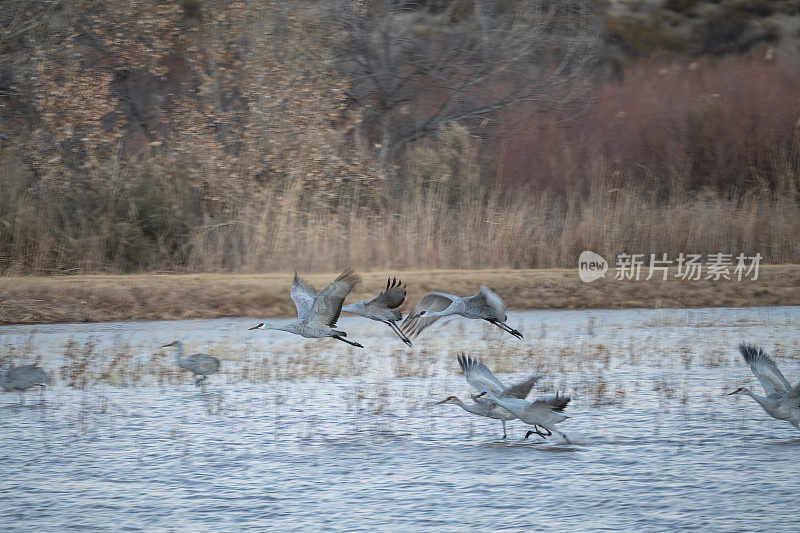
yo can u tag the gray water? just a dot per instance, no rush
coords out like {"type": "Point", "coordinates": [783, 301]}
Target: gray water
{"type": "Point", "coordinates": [297, 434]}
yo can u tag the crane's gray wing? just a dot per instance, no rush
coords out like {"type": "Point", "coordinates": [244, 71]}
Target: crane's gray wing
{"type": "Point", "coordinates": [479, 376]}
{"type": "Point", "coordinates": [24, 377]}
{"type": "Point", "coordinates": [521, 389]}
{"type": "Point", "coordinates": [488, 298]}
{"type": "Point", "coordinates": [392, 297]}
{"type": "Point", "coordinates": [328, 303]}
{"type": "Point", "coordinates": [433, 301]}
{"type": "Point", "coordinates": [764, 369]}
{"type": "Point", "coordinates": [204, 363]}
{"type": "Point", "coordinates": [554, 402]}
{"type": "Point", "coordinates": [493, 300]}
{"type": "Point", "coordinates": [547, 404]}
{"type": "Point", "coordinates": [792, 397]}
{"type": "Point", "coordinates": [303, 294]}
{"type": "Point", "coordinates": [491, 409]}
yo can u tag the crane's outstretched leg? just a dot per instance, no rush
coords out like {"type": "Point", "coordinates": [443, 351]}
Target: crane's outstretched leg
{"type": "Point", "coordinates": [538, 432]}
{"type": "Point", "coordinates": [507, 328]}
{"type": "Point", "coordinates": [397, 331]}
{"type": "Point", "coordinates": [21, 398]}
{"type": "Point", "coordinates": [504, 429]}
{"type": "Point", "coordinates": [338, 338]}
{"type": "Point", "coordinates": [563, 435]}
{"type": "Point", "coordinates": [199, 382]}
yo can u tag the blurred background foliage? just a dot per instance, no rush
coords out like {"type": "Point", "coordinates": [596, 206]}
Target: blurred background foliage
{"type": "Point", "coordinates": [208, 135]}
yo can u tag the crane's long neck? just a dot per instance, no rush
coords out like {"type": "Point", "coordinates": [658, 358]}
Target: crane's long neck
{"type": "Point", "coordinates": [763, 401]}
{"type": "Point", "coordinates": [469, 408]}
{"type": "Point", "coordinates": [179, 352]}
{"type": "Point", "coordinates": [280, 327]}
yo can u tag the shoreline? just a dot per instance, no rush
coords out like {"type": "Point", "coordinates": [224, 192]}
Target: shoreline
{"type": "Point", "coordinates": [143, 297]}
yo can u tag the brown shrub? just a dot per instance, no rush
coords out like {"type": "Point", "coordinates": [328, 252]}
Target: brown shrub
{"type": "Point", "coordinates": [728, 125]}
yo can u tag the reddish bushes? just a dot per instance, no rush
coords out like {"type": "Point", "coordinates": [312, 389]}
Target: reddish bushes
{"type": "Point", "coordinates": [728, 125]}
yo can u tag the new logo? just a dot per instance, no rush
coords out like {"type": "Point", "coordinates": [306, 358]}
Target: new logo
{"type": "Point", "coordinates": [591, 266]}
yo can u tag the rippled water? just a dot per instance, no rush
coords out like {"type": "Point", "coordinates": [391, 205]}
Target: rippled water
{"type": "Point", "coordinates": [349, 441]}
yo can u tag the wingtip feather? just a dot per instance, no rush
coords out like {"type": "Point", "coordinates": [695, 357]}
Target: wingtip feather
{"type": "Point", "coordinates": [750, 352]}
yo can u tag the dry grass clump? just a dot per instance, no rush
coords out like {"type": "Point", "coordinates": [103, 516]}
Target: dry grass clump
{"type": "Point", "coordinates": [305, 364]}
{"type": "Point", "coordinates": [118, 364]}
{"type": "Point", "coordinates": [598, 392]}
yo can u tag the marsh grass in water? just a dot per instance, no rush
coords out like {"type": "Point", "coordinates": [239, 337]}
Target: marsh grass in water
{"type": "Point", "coordinates": [584, 359]}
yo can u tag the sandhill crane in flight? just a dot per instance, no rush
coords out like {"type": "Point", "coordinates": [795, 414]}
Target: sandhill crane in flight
{"type": "Point", "coordinates": [481, 378]}
{"type": "Point", "coordinates": [485, 305]}
{"type": "Point", "coordinates": [199, 364]}
{"type": "Point", "coordinates": [24, 377]}
{"type": "Point", "coordinates": [383, 307]}
{"type": "Point", "coordinates": [782, 400]}
{"type": "Point", "coordinates": [317, 313]}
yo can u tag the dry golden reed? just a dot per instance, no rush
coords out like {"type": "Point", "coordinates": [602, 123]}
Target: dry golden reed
{"type": "Point", "coordinates": [270, 230]}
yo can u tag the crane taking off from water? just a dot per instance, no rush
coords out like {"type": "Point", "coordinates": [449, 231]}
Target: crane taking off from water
{"type": "Point", "coordinates": [383, 307]}
{"type": "Point", "coordinates": [199, 364]}
{"type": "Point", "coordinates": [317, 313]}
{"type": "Point", "coordinates": [544, 412]}
{"type": "Point", "coordinates": [782, 400]}
{"type": "Point", "coordinates": [485, 305]}
{"type": "Point", "coordinates": [24, 377]}
{"type": "Point", "coordinates": [481, 378]}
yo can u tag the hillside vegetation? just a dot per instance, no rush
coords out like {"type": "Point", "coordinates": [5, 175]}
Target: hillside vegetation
{"type": "Point", "coordinates": [214, 136]}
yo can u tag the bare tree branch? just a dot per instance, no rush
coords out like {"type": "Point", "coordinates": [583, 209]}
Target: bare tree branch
{"type": "Point", "coordinates": [467, 60]}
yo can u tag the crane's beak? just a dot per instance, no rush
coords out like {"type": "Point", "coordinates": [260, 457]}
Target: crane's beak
{"type": "Point", "coordinates": [257, 327]}
{"type": "Point", "coordinates": [732, 393]}
{"type": "Point", "coordinates": [446, 400]}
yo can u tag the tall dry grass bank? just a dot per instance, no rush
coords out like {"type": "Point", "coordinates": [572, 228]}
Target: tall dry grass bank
{"type": "Point", "coordinates": [528, 231]}
{"type": "Point", "coordinates": [164, 228]}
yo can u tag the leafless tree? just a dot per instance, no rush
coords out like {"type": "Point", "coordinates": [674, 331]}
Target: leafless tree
{"type": "Point", "coordinates": [413, 66]}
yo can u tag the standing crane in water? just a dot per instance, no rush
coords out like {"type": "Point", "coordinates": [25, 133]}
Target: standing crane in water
{"type": "Point", "coordinates": [199, 364]}
{"type": "Point", "coordinates": [782, 400]}
{"type": "Point", "coordinates": [485, 305]}
{"type": "Point", "coordinates": [383, 308]}
{"type": "Point", "coordinates": [317, 313]}
{"type": "Point", "coordinates": [21, 378]}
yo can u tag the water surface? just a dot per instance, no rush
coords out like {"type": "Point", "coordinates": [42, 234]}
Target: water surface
{"type": "Point", "coordinates": [297, 434]}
